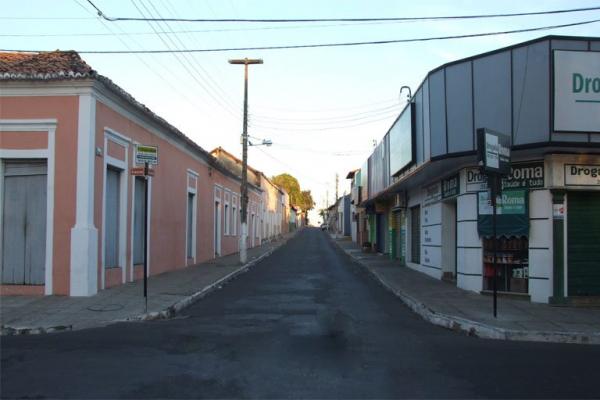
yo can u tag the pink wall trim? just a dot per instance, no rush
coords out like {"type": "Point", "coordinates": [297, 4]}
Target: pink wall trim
{"type": "Point", "coordinates": [113, 277]}
{"type": "Point", "coordinates": [115, 150]}
{"type": "Point", "coordinates": [22, 290]}
{"type": "Point", "coordinates": [192, 182]}
{"type": "Point", "coordinates": [23, 140]}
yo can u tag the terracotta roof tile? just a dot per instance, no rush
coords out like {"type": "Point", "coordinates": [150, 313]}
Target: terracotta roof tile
{"type": "Point", "coordinates": [54, 65]}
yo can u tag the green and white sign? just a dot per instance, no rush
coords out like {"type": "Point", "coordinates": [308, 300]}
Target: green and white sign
{"type": "Point", "coordinates": [512, 213]}
{"type": "Point", "coordinates": [146, 154]}
{"type": "Point", "coordinates": [576, 91]}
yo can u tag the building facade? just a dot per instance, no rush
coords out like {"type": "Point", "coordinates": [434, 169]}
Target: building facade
{"type": "Point", "coordinates": [72, 214]}
{"type": "Point", "coordinates": [425, 197]}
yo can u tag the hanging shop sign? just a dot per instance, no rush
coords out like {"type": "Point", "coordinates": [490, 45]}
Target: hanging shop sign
{"type": "Point", "coordinates": [512, 213]}
{"type": "Point", "coordinates": [577, 91]}
{"type": "Point", "coordinates": [494, 151]}
{"type": "Point", "coordinates": [582, 175]}
{"type": "Point", "coordinates": [146, 154]}
{"type": "Point", "coordinates": [450, 187]}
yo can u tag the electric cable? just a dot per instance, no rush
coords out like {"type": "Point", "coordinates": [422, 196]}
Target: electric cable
{"type": "Point", "coordinates": [323, 45]}
{"type": "Point", "coordinates": [311, 20]}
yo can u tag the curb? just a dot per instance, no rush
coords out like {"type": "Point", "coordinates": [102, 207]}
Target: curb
{"type": "Point", "coordinates": [172, 310]}
{"type": "Point", "coordinates": [478, 329]}
{"type": "Point", "coordinates": [167, 313]}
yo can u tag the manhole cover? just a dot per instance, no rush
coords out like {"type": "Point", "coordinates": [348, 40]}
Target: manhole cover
{"type": "Point", "coordinates": [105, 307]}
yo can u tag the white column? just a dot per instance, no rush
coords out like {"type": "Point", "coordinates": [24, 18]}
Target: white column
{"type": "Point", "coordinates": [84, 235]}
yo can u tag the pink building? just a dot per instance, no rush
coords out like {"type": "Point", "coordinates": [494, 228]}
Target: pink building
{"type": "Point", "coordinates": [70, 211]}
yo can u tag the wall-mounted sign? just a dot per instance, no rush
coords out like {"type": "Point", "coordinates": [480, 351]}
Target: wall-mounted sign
{"type": "Point", "coordinates": [402, 143]}
{"type": "Point", "coordinates": [577, 91]}
{"type": "Point", "coordinates": [558, 211]}
{"type": "Point", "coordinates": [582, 175]}
{"type": "Point", "coordinates": [450, 187]}
{"type": "Point", "coordinates": [525, 175]}
{"type": "Point", "coordinates": [522, 175]}
{"type": "Point", "coordinates": [433, 193]}
{"type": "Point", "coordinates": [146, 154]}
{"type": "Point", "coordinates": [476, 180]}
{"type": "Point", "coordinates": [494, 150]}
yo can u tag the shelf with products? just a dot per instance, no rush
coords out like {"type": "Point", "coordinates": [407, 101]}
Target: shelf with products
{"type": "Point", "coordinates": [512, 264]}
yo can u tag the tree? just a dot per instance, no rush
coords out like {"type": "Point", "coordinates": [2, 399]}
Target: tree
{"type": "Point", "coordinates": [298, 197]}
{"type": "Point", "coordinates": [307, 200]}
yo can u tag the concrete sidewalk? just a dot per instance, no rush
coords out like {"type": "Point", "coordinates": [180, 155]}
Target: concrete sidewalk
{"type": "Point", "coordinates": [443, 304]}
{"type": "Point", "coordinates": [167, 294]}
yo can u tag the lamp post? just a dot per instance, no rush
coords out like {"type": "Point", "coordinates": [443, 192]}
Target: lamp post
{"type": "Point", "coordinates": [244, 189]}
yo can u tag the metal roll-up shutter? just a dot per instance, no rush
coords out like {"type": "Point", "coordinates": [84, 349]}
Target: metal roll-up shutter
{"type": "Point", "coordinates": [583, 243]}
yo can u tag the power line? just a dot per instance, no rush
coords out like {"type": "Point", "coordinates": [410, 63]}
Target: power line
{"type": "Point", "coordinates": [321, 45]}
{"type": "Point", "coordinates": [311, 20]}
{"type": "Point", "coordinates": [327, 128]}
{"type": "Point", "coordinates": [332, 119]}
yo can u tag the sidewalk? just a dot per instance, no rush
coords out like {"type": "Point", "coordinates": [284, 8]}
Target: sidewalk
{"type": "Point", "coordinates": [167, 294]}
{"type": "Point", "coordinates": [443, 304]}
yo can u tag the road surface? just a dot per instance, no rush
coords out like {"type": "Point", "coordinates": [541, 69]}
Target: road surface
{"type": "Point", "coordinates": [304, 323]}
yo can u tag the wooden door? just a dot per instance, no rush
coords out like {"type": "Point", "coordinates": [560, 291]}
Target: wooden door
{"type": "Point", "coordinates": [24, 223]}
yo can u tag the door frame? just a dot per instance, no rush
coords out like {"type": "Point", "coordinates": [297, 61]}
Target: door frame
{"type": "Point", "coordinates": [25, 126]}
{"type": "Point", "coordinates": [217, 228]}
{"type": "Point", "coordinates": [123, 166]}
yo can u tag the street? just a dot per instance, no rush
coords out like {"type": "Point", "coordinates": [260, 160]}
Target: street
{"type": "Point", "coordinates": [304, 323]}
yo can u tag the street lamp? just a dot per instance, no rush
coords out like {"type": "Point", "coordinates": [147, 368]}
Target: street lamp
{"type": "Point", "coordinates": [244, 189]}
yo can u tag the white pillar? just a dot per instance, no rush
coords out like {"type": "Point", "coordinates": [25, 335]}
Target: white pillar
{"type": "Point", "coordinates": [84, 235]}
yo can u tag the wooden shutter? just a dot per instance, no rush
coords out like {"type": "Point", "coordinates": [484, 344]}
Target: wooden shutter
{"type": "Point", "coordinates": [111, 234]}
{"type": "Point", "coordinates": [24, 223]}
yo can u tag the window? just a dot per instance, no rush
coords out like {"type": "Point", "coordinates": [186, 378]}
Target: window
{"type": "Point", "coordinates": [234, 218]}
{"type": "Point", "coordinates": [415, 235]}
{"type": "Point", "coordinates": [227, 219]}
{"type": "Point", "coordinates": [139, 225]}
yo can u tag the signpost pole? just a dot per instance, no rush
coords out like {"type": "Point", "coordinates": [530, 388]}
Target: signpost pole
{"type": "Point", "coordinates": [494, 183]}
{"type": "Point", "coordinates": [494, 154]}
{"type": "Point", "coordinates": [146, 238]}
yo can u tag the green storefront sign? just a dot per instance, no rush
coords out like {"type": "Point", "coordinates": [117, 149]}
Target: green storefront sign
{"type": "Point", "coordinates": [512, 213]}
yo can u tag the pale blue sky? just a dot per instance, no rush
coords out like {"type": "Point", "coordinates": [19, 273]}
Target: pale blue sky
{"type": "Point", "coordinates": [322, 108]}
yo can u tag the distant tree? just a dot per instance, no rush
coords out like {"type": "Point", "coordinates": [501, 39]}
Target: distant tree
{"type": "Point", "coordinates": [298, 197]}
{"type": "Point", "coordinates": [307, 200]}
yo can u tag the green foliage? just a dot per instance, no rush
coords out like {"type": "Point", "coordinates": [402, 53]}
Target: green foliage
{"type": "Point", "coordinates": [298, 197]}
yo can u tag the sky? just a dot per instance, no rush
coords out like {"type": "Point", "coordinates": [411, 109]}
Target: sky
{"type": "Point", "coordinates": [322, 108]}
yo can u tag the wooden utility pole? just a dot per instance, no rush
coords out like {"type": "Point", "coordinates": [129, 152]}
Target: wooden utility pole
{"type": "Point", "coordinates": [337, 180]}
{"type": "Point", "coordinates": [244, 186]}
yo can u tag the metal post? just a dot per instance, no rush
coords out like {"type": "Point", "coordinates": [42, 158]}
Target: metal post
{"type": "Point", "coordinates": [494, 180]}
{"type": "Point", "coordinates": [244, 186]}
{"type": "Point", "coordinates": [146, 238]}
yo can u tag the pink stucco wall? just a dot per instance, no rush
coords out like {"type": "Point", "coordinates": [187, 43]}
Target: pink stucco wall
{"type": "Point", "coordinates": [168, 198]}
{"type": "Point", "coordinates": [65, 110]}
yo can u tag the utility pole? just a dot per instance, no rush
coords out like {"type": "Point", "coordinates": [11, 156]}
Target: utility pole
{"type": "Point", "coordinates": [337, 180]}
{"type": "Point", "coordinates": [244, 188]}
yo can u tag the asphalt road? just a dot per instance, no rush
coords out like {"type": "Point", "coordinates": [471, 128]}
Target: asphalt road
{"type": "Point", "coordinates": [304, 323]}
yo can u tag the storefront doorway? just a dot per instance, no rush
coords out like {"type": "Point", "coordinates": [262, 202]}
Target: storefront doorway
{"type": "Point", "coordinates": [583, 243]}
{"type": "Point", "coordinates": [449, 240]}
